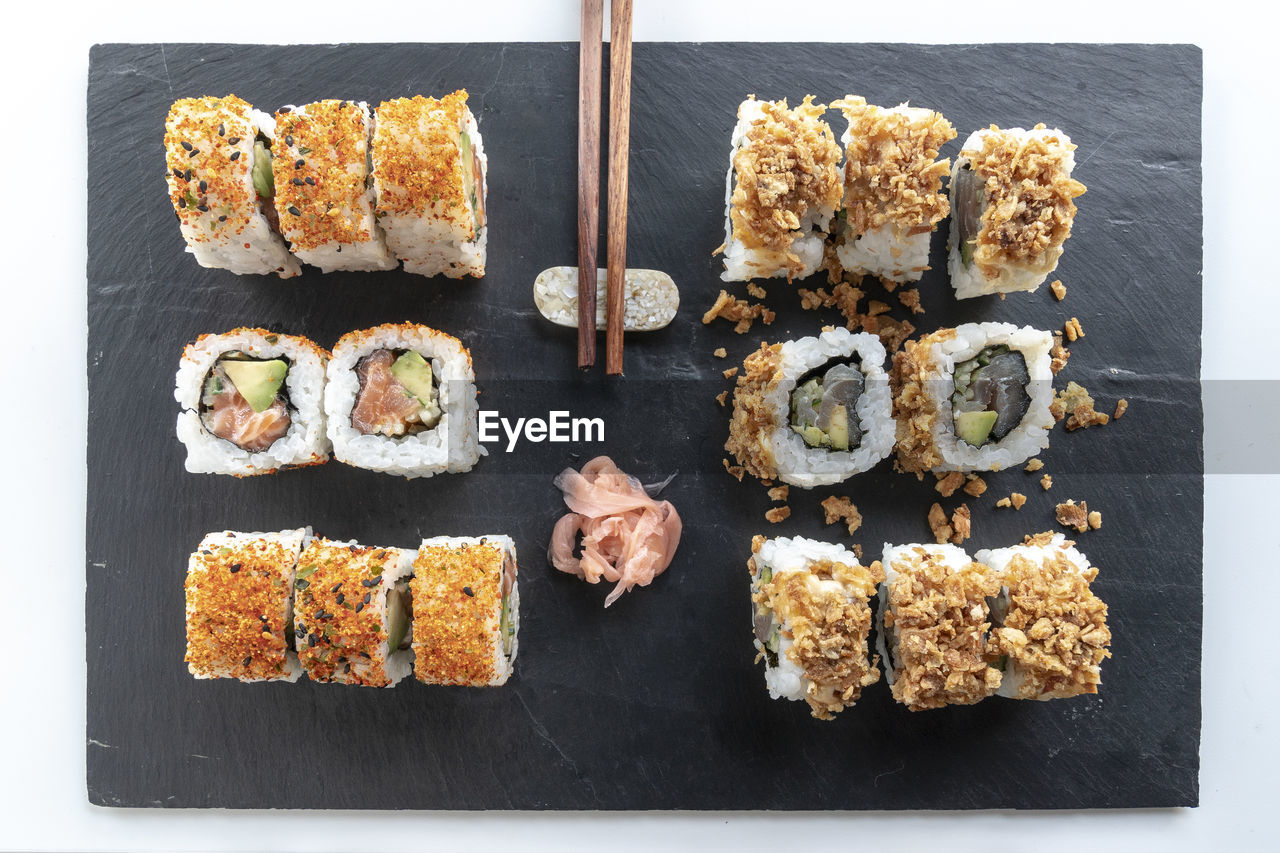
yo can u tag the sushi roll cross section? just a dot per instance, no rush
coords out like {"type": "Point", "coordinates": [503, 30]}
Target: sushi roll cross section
{"type": "Point", "coordinates": [239, 606]}
{"type": "Point", "coordinates": [430, 176]}
{"type": "Point", "coordinates": [323, 186]}
{"type": "Point", "coordinates": [811, 614]}
{"type": "Point", "coordinates": [466, 610]}
{"type": "Point", "coordinates": [782, 190]}
{"type": "Point", "coordinates": [352, 612]}
{"type": "Point", "coordinates": [250, 403]}
{"type": "Point", "coordinates": [1013, 201]}
{"type": "Point", "coordinates": [893, 199]}
{"type": "Point", "coordinates": [814, 411]}
{"type": "Point", "coordinates": [218, 167]}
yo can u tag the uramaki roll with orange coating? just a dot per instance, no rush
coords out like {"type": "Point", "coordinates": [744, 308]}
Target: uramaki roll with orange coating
{"type": "Point", "coordinates": [351, 613]}
{"type": "Point", "coordinates": [239, 606]}
{"type": "Point", "coordinates": [218, 165]}
{"type": "Point", "coordinates": [323, 186]}
{"type": "Point", "coordinates": [466, 610]}
{"type": "Point", "coordinates": [429, 173]}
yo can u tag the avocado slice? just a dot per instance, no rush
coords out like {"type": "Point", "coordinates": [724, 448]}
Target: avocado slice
{"type": "Point", "coordinates": [397, 618]}
{"type": "Point", "coordinates": [257, 381]}
{"type": "Point", "coordinates": [505, 626]}
{"type": "Point", "coordinates": [414, 373]}
{"type": "Point", "coordinates": [263, 179]}
{"type": "Point", "coordinates": [975, 427]}
{"type": "Point", "coordinates": [838, 428]}
{"type": "Point", "coordinates": [813, 436]}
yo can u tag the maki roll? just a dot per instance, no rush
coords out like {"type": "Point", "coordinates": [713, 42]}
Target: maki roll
{"type": "Point", "coordinates": [401, 399]}
{"type": "Point", "coordinates": [352, 612]}
{"type": "Point", "coordinates": [893, 196]}
{"type": "Point", "coordinates": [814, 411]}
{"type": "Point", "coordinates": [781, 192]}
{"type": "Point", "coordinates": [1012, 196]}
{"type": "Point", "coordinates": [1050, 635]}
{"type": "Point", "coordinates": [429, 173]}
{"type": "Point", "coordinates": [973, 398]}
{"type": "Point", "coordinates": [250, 403]}
{"type": "Point", "coordinates": [812, 616]}
{"type": "Point", "coordinates": [935, 618]}
{"type": "Point", "coordinates": [240, 606]}
{"type": "Point", "coordinates": [323, 186]}
{"type": "Point", "coordinates": [466, 610]}
{"type": "Point", "coordinates": [218, 159]}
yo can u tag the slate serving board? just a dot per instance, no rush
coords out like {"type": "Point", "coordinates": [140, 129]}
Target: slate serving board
{"type": "Point", "coordinates": [655, 703]}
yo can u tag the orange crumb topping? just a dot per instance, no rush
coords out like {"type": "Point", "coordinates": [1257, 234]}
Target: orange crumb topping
{"type": "Point", "coordinates": [417, 162]}
{"type": "Point", "coordinates": [208, 154]}
{"type": "Point", "coordinates": [457, 600]}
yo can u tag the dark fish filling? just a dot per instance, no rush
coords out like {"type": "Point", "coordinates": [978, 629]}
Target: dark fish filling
{"type": "Point", "coordinates": [766, 626]}
{"type": "Point", "coordinates": [967, 200]}
{"type": "Point", "coordinates": [990, 397]}
{"type": "Point", "coordinates": [824, 406]}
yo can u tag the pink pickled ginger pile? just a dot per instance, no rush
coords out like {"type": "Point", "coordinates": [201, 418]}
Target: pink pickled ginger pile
{"type": "Point", "coordinates": [627, 536]}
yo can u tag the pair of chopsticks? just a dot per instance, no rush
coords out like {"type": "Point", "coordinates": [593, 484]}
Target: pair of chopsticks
{"type": "Point", "coordinates": [589, 67]}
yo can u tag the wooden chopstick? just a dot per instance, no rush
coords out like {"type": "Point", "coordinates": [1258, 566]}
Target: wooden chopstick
{"type": "Point", "coordinates": [619, 148]}
{"type": "Point", "coordinates": [589, 67]}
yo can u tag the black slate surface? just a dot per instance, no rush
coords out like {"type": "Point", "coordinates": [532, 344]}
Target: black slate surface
{"type": "Point", "coordinates": [655, 703]}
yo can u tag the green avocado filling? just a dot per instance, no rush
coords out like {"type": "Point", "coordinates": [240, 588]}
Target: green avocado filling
{"type": "Point", "coordinates": [414, 372]}
{"type": "Point", "coordinates": [257, 381]}
{"type": "Point", "coordinates": [506, 626]}
{"type": "Point", "coordinates": [990, 397]}
{"type": "Point", "coordinates": [263, 180]}
{"type": "Point", "coordinates": [823, 408]}
{"type": "Point", "coordinates": [397, 616]}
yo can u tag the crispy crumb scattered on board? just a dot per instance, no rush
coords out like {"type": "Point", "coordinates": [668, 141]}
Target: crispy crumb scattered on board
{"type": "Point", "coordinates": [842, 509]}
{"type": "Point", "coordinates": [1073, 330]}
{"type": "Point", "coordinates": [1074, 515]}
{"type": "Point", "coordinates": [777, 514]}
{"type": "Point", "coordinates": [1122, 406]}
{"type": "Point", "coordinates": [1058, 354]}
{"type": "Point", "coordinates": [779, 493]}
{"type": "Point", "coordinates": [1033, 466]}
{"type": "Point", "coordinates": [737, 311]}
{"type": "Point", "coordinates": [720, 352]}
{"type": "Point", "coordinates": [976, 486]}
{"type": "Point", "coordinates": [1076, 405]}
{"type": "Point", "coordinates": [948, 483]}
{"type": "Point", "coordinates": [730, 372]}
{"type": "Point", "coordinates": [1046, 482]}
{"type": "Point", "coordinates": [1059, 290]}
{"type": "Point", "coordinates": [721, 397]}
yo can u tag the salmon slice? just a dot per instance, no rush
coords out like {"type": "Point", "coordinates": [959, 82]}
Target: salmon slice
{"type": "Point", "coordinates": [383, 405]}
{"type": "Point", "coordinates": [232, 418]}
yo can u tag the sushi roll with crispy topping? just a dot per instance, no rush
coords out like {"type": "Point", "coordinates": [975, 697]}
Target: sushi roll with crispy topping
{"type": "Point", "coordinates": [935, 618]}
{"type": "Point", "coordinates": [250, 403]}
{"type": "Point", "coordinates": [812, 615]}
{"type": "Point", "coordinates": [323, 186]}
{"type": "Point", "coordinates": [239, 593]}
{"type": "Point", "coordinates": [813, 412]}
{"type": "Point", "coordinates": [973, 398]}
{"type": "Point", "coordinates": [466, 610]}
{"type": "Point", "coordinates": [1012, 197]}
{"type": "Point", "coordinates": [429, 173]}
{"type": "Point", "coordinates": [401, 399]}
{"type": "Point", "coordinates": [352, 613]}
{"type": "Point", "coordinates": [893, 197]}
{"type": "Point", "coordinates": [1050, 631]}
{"type": "Point", "coordinates": [781, 192]}
{"type": "Point", "coordinates": [218, 159]}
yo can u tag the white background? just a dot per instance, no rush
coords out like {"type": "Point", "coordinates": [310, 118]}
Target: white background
{"type": "Point", "coordinates": [42, 783]}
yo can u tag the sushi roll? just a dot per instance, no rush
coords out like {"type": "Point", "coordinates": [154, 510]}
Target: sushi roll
{"type": "Point", "coordinates": [934, 622]}
{"type": "Point", "coordinates": [814, 411]}
{"type": "Point", "coordinates": [893, 197]}
{"type": "Point", "coordinates": [429, 173]}
{"type": "Point", "coordinates": [466, 610]}
{"type": "Point", "coordinates": [1050, 632]}
{"type": "Point", "coordinates": [250, 403]}
{"type": "Point", "coordinates": [812, 615]}
{"type": "Point", "coordinates": [239, 608]}
{"type": "Point", "coordinates": [323, 186]}
{"type": "Point", "coordinates": [352, 613]}
{"type": "Point", "coordinates": [401, 399]}
{"type": "Point", "coordinates": [218, 156]}
{"type": "Point", "coordinates": [1013, 200]}
{"type": "Point", "coordinates": [973, 398]}
{"type": "Point", "coordinates": [781, 192]}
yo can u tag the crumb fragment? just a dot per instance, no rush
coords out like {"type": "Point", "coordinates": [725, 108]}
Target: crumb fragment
{"type": "Point", "coordinates": [1073, 330]}
{"type": "Point", "coordinates": [1059, 290]}
{"type": "Point", "coordinates": [1004, 502]}
{"type": "Point", "coordinates": [1074, 515]}
{"type": "Point", "coordinates": [842, 509]}
{"type": "Point", "coordinates": [720, 352]}
{"type": "Point", "coordinates": [779, 493]}
{"type": "Point", "coordinates": [721, 397]}
{"type": "Point", "coordinates": [875, 308]}
{"type": "Point", "coordinates": [1017, 499]}
{"type": "Point", "coordinates": [730, 372]}
{"type": "Point", "coordinates": [910, 299]}
{"type": "Point", "coordinates": [949, 482]}
{"type": "Point", "coordinates": [938, 524]}
{"type": "Point", "coordinates": [1058, 354]}
{"type": "Point", "coordinates": [755, 290]}
{"type": "Point", "coordinates": [737, 311]}
{"type": "Point", "coordinates": [736, 470]}
{"type": "Point", "coordinates": [960, 524]}
{"type": "Point", "coordinates": [777, 514]}
{"type": "Point", "coordinates": [1076, 401]}
{"type": "Point", "coordinates": [811, 300]}
{"type": "Point", "coordinates": [1046, 482]}
{"type": "Point", "coordinates": [1095, 520]}
{"type": "Point", "coordinates": [976, 486]}
{"type": "Point", "coordinates": [1122, 406]}
{"type": "Point", "coordinates": [857, 549]}
{"type": "Point", "coordinates": [1033, 466]}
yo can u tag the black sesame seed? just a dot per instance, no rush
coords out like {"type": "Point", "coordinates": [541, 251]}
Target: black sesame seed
{"type": "Point", "coordinates": [284, 110]}
{"type": "Point", "coordinates": [341, 597]}
{"type": "Point", "coordinates": [186, 146]}
{"type": "Point", "coordinates": [311, 180]}
{"type": "Point", "coordinates": [312, 639]}
{"type": "Point", "coordinates": [177, 173]}
{"type": "Point", "coordinates": [353, 548]}
{"type": "Point", "coordinates": [288, 139]}
{"type": "Point", "coordinates": [246, 660]}
{"type": "Point", "coordinates": [468, 591]}
{"type": "Point", "coordinates": [235, 567]}
{"type": "Point", "coordinates": [188, 174]}
{"type": "Point", "coordinates": [264, 618]}
{"type": "Point", "coordinates": [366, 656]}
{"type": "Point", "coordinates": [299, 163]}
{"type": "Point", "coordinates": [297, 182]}
{"type": "Point", "coordinates": [204, 186]}
{"type": "Point", "coordinates": [359, 607]}
{"type": "Point", "coordinates": [222, 219]}
{"type": "Point", "coordinates": [337, 586]}
{"type": "Point", "coordinates": [295, 211]}
{"type": "Point", "coordinates": [194, 152]}
{"type": "Point", "coordinates": [203, 208]}
{"type": "Point", "coordinates": [367, 582]}
{"type": "Point", "coordinates": [302, 583]}
{"type": "Point", "coordinates": [182, 202]}
{"type": "Point", "coordinates": [346, 669]}
{"type": "Point", "coordinates": [324, 614]}
{"type": "Point", "coordinates": [367, 596]}
{"type": "Point", "coordinates": [300, 630]}
{"type": "Point", "coordinates": [222, 129]}
{"type": "Point", "coordinates": [235, 140]}
{"type": "Point", "coordinates": [235, 155]}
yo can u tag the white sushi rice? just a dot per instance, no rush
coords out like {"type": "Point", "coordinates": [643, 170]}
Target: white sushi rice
{"type": "Point", "coordinates": [452, 445]}
{"type": "Point", "coordinates": [304, 444]}
{"type": "Point", "coordinates": [787, 680]}
{"type": "Point", "coordinates": [889, 252]}
{"type": "Point", "coordinates": [897, 560]}
{"type": "Point", "coordinates": [805, 466]}
{"type": "Point", "coordinates": [1012, 278]}
{"type": "Point", "coordinates": [1025, 440]}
